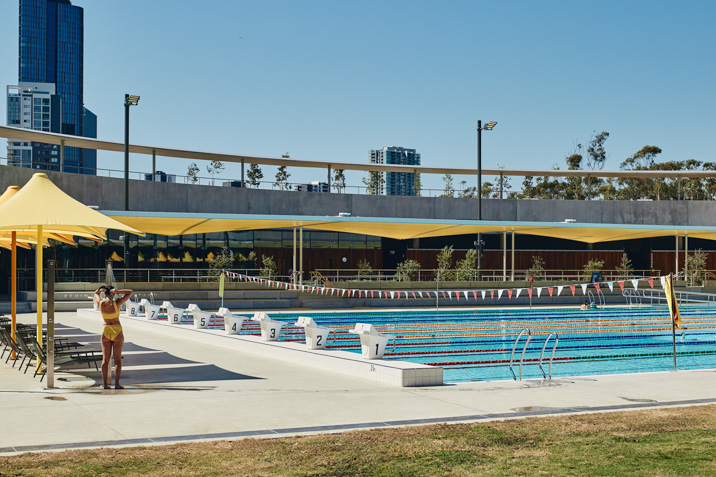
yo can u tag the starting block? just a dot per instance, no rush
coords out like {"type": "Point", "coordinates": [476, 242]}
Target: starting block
{"type": "Point", "coordinates": [232, 323]}
{"type": "Point", "coordinates": [372, 342]}
{"type": "Point", "coordinates": [316, 336]}
{"type": "Point", "coordinates": [270, 329]}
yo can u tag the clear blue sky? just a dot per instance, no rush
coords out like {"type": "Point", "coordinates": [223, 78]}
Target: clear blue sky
{"type": "Point", "coordinates": [330, 80]}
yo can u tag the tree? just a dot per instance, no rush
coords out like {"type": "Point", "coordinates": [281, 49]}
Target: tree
{"type": "Point", "coordinates": [407, 271]}
{"type": "Point", "coordinates": [269, 268]}
{"type": "Point", "coordinates": [222, 261]}
{"type": "Point", "coordinates": [215, 167]}
{"type": "Point", "coordinates": [467, 268]}
{"type": "Point", "coordinates": [374, 182]}
{"type": "Point", "coordinates": [418, 185]}
{"type": "Point", "coordinates": [625, 268]}
{"type": "Point", "coordinates": [536, 270]}
{"type": "Point", "coordinates": [449, 188]}
{"type": "Point", "coordinates": [696, 263]}
{"type": "Point", "coordinates": [282, 175]}
{"type": "Point", "coordinates": [443, 272]}
{"type": "Point", "coordinates": [592, 266]}
{"type": "Point", "coordinates": [632, 189]}
{"type": "Point", "coordinates": [503, 184]}
{"type": "Point", "coordinates": [254, 175]}
{"type": "Point", "coordinates": [364, 268]}
{"type": "Point", "coordinates": [596, 154]}
{"type": "Point", "coordinates": [192, 174]}
{"type": "Point", "coordinates": [339, 180]}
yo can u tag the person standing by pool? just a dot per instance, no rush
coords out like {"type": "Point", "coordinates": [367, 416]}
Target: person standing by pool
{"type": "Point", "coordinates": [109, 301]}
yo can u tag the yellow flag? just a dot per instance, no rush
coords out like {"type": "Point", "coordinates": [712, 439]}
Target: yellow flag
{"type": "Point", "coordinates": [221, 285]}
{"type": "Point", "coordinates": [671, 301]}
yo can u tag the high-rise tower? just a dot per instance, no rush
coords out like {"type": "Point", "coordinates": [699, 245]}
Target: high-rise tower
{"type": "Point", "coordinates": [51, 51]}
{"type": "Point", "coordinates": [396, 183]}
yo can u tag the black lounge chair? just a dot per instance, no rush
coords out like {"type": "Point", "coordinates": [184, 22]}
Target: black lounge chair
{"type": "Point", "coordinates": [65, 357]}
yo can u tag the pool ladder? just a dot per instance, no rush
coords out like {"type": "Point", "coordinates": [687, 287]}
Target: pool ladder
{"type": "Point", "coordinates": [541, 357]}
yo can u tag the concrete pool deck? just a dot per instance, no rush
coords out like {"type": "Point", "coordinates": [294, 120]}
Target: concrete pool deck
{"type": "Point", "coordinates": [179, 390]}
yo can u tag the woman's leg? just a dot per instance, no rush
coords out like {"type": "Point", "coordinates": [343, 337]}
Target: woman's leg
{"type": "Point", "coordinates": [106, 350]}
{"type": "Point", "coordinates": [117, 345]}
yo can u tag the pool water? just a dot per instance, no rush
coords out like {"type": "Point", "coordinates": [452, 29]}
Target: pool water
{"type": "Point", "coordinates": [475, 345]}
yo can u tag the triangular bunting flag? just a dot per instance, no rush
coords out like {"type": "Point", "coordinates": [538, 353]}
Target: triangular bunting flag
{"type": "Point", "coordinates": [499, 294]}
{"type": "Point", "coordinates": [492, 293]}
{"type": "Point", "coordinates": [635, 283]}
{"type": "Point", "coordinates": [584, 288]}
{"type": "Point", "coordinates": [539, 292]}
{"type": "Point", "coordinates": [651, 282]}
{"type": "Point", "coordinates": [529, 292]}
{"type": "Point", "coordinates": [621, 285]}
{"type": "Point", "coordinates": [392, 294]}
{"type": "Point", "coordinates": [559, 290]}
{"type": "Point", "coordinates": [519, 290]}
{"type": "Point", "coordinates": [663, 281]}
{"type": "Point", "coordinates": [457, 295]}
{"type": "Point", "coordinates": [611, 286]}
{"type": "Point", "coordinates": [483, 294]}
{"type": "Point", "coordinates": [573, 288]}
{"type": "Point", "coordinates": [596, 285]}
{"type": "Point", "coordinates": [549, 289]}
{"type": "Point", "coordinates": [474, 294]}
{"type": "Point", "coordinates": [465, 293]}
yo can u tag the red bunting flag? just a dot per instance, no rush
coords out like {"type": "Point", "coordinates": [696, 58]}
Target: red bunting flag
{"type": "Point", "coordinates": [509, 294]}
{"type": "Point", "coordinates": [371, 293]}
{"type": "Point", "coordinates": [573, 288]}
{"type": "Point", "coordinates": [549, 289]}
{"type": "Point", "coordinates": [651, 282]}
{"type": "Point", "coordinates": [474, 294]}
{"type": "Point", "coordinates": [492, 293]}
{"type": "Point", "coordinates": [596, 285]}
{"type": "Point", "coordinates": [621, 285]}
{"type": "Point", "coordinates": [529, 292]}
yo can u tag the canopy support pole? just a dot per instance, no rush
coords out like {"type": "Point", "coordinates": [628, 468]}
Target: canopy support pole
{"type": "Point", "coordinates": [329, 178]}
{"type": "Point", "coordinates": [686, 255]}
{"type": "Point", "coordinates": [513, 255]}
{"type": "Point", "coordinates": [38, 285]}
{"type": "Point", "coordinates": [300, 256]}
{"type": "Point", "coordinates": [293, 269]}
{"type": "Point", "coordinates": [154, 164]}
{"type": "Point", "coordinates": [676, 254]}
{"type": "Point", "coordinates": [504, 256]}
{"type": "Point", "coordinates": [13, 289]}
{"type": "Point", "coordinates": [243, 183]}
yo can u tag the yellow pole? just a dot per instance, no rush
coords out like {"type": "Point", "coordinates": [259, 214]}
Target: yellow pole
{"type": "Point", "coordinates": [38, 285]}
{"type": "Point", "coordinates": [13, 288]}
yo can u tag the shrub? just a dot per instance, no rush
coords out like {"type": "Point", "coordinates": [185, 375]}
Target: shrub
{"type": "Point", "coordinates": [537, 268]}
{"type": "Point", "coordinates": [592, 266]}
{"type": "Point", "coordinates": [467, 268]}
{"type": "Point", "coordinates": [625, 268]}
{"type": "Point", "coordinates": [696, 264]}
{"type": "Point", "coordinates": [269, 268]}
{"type": "Point", "coordinates": [408, 271]}
{"type": "Point", "coordinates": [443, 272]}
{"type": "Point", "coordinates": [223, 261]}
{"type": "Point", "coordinates": [364, 268]}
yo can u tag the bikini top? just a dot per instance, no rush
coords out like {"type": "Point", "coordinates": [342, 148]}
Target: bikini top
{"type": "Point", "coordinates": [110, 316]}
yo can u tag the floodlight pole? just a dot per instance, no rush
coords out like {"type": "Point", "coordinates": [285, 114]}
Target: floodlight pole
{"type": "Point", "coordinates": [134, 100]}
{"type": "Point", "coordinates": [480, 127]}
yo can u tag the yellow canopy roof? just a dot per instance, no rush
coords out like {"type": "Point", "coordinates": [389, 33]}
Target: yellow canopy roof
{"type": "Point", "coordinates": [40, 202]}
{"type": "Point", "coordinates": [165, 223]}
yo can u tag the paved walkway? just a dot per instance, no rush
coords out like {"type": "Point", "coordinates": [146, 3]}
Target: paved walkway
{"type": "Point", "coordinates": [178, 390]}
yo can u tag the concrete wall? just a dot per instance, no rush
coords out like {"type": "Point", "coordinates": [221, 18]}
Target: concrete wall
{"type": "Point", "coordinates": [108, 194]}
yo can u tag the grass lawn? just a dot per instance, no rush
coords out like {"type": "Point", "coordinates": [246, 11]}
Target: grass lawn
{"type": "Point", "coordinates": [678, 441]}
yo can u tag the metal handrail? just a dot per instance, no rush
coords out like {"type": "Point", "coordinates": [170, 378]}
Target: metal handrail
{"type": "Point", "coordinates": [551, 358]}
{"type": "Point", "coordinates": [682, 296]}
{"type": "Point", "coordinates": [522, 359]}
{"type": "Point", "coordinates": [629, 293]}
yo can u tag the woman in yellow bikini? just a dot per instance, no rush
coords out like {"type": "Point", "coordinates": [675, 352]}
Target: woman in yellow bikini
{"type": "Point", "coordinates": [109, 301]}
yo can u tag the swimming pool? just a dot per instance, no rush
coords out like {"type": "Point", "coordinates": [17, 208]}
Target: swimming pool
{"type": "Point", "coordinates": [476, 345]}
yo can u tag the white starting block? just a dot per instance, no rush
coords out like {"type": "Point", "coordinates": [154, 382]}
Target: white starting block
{"type": "Point", "coordinates": [372, 342]}
{"type": "Point", "coordinates": [270, 329]}
{"type": "Point", "coordinates": [201, 318]}
{"type": "Point", "coordinates": [151, 312]}
{"type": "Point", "coordinates": [316, 336]}
{"type": "Point", "coordinates": [132, 308]}
{"type": "Point", "coordinates": [174, 315]}
{"type": "Point", "coordinates": [232, 323]}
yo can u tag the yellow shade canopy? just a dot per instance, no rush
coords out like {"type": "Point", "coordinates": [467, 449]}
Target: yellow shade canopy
{"type": "Point", "coordinates": [169, 223]}
{"type": "Point", "coordinates": [40, 202]}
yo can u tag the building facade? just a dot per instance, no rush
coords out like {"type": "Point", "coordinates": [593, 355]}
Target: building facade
{"type": "Point", "coordinates": [396, 183]}
{"type": "Point", "coordinates": [51, 51]}
{"type": "Point", "coordinates": [34, 106]}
